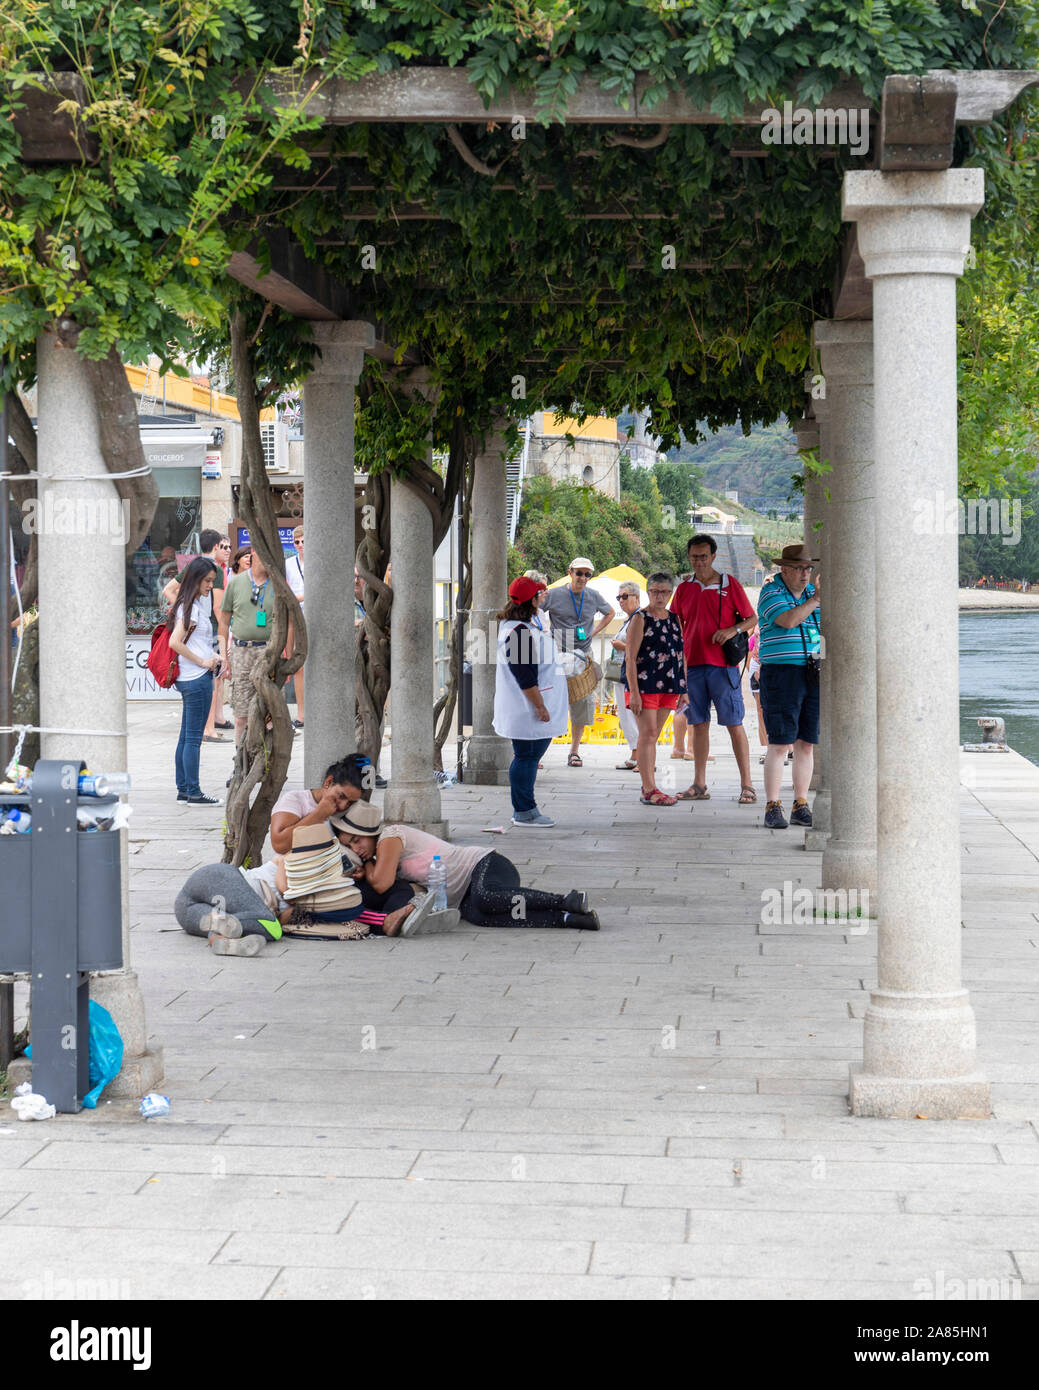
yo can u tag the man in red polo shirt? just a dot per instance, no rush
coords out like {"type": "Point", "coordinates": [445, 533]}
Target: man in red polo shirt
{"type": "Point", "coordinates": [713, 607]}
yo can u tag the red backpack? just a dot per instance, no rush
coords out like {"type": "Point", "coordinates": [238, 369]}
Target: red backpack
{"type": "Point", "coordinates": [163, 661]}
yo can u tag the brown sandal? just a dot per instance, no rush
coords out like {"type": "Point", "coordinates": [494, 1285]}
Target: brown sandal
{"type": "Point", "coordinates": [748, 796]}
{"type": "Point", "coordinates": [574, 760]}
{"type": "Point", "coordinates": [695, 793]}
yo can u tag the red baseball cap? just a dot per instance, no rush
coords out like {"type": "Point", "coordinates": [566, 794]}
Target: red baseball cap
{"type": "Point", "coordinates": [522, 589]}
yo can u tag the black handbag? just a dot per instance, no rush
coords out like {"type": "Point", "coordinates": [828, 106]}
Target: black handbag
{"type": "Point", "coordinates": [737, 648]}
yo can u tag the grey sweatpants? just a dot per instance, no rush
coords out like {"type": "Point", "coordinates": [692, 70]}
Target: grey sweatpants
{"type": "Point", "coordinates": [220, 886]}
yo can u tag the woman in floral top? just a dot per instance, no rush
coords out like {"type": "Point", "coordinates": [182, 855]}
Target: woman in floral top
{"type": "Point", "coordinates": [656, 656]}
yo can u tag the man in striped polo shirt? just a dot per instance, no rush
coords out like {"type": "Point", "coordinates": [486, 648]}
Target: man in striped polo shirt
{"type": "Point", "coordinates": [788, 621]}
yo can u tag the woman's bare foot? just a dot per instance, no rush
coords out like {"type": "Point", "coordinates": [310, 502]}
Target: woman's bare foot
{"type": "Point", "coordinates": [394, 920]}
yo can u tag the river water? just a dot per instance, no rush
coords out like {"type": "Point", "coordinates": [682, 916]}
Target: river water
{"type": "Point", "coordinates": [999, 675]}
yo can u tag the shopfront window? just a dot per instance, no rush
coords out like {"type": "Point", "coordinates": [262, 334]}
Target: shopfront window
{"type": "Point", "coordinates": [171, 542]}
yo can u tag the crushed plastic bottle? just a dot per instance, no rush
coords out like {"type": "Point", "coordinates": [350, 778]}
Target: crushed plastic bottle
{"type": "Point", "coordinates": [437, 883]}
{"type": "Point", "coordinates": [27, 1105]}
{"type": "Point", "coordinates": [15, 821]}
{"type": "Point", "coordinates": [153, 1105]}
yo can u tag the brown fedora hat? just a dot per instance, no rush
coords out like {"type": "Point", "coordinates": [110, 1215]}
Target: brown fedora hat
{"type": "Point", "coordinates": [794, 555]}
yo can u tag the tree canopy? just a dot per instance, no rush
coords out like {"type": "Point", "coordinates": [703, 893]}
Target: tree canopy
{"type": "Point", "coordinates": [584, 266]}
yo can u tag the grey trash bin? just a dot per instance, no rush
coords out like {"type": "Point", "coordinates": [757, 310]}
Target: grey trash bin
{"type": "Point", "coordinates": [62, 916]}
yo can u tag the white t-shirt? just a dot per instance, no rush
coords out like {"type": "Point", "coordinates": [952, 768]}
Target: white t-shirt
{"type": "Point", "coordinates": [294, 574]}
{"type": "Point", "coordinates": [264, 873]}
{"type": "Point", "coordinates": [200, 642]}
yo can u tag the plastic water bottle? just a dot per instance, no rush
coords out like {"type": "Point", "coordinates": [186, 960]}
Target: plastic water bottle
{"type": "Point", "coordinates": [104, 784]}
{"type": "Point", "coordinates": [437, 884]}
{"type": "Point", "coordinates": [19, 821]}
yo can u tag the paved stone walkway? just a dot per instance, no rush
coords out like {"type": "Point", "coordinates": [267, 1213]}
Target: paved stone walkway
{"type": "Point", "coordinates": [657, 1111]}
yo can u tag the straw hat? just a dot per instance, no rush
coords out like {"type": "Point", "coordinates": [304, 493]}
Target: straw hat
{"type": "Point", "coordinates": [314, 871]}
{"type": "Point", "coordinates": [361, 818]}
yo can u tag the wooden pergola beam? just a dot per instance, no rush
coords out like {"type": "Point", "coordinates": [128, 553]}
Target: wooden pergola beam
{"type": "Point", "coordinates": [50, 136]}
{"type": "Point", "coordinates": [305, 289]}
{"type": "Point", "coordinates": [437, 94]}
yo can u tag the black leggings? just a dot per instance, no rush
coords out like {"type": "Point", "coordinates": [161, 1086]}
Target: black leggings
{"type": "Point", "coordinates": [494, 898]}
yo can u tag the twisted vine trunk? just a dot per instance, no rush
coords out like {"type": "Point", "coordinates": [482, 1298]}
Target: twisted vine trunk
{"type": "Point", "coordinates": [262, 759]}
{"type": "Point", "coordinates": [444, 709]}
{"type": "Point", "coordinates": [373, 648]}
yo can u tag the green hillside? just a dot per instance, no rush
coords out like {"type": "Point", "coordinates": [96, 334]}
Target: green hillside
{"type": "Point", "coordinates": [760, 465]}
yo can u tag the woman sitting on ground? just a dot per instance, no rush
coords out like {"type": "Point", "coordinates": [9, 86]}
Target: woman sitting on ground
{"type": "Point", "coordinates": [481, 883]}
{"type": "Point", "coordinates": [343, 785]}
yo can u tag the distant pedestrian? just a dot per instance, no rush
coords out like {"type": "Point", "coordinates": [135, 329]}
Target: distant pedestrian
{"type": "Point", "coordinates": [788, 615]}
{"type": "Point", "coordinates": [241, 560]}
{"type": "Point", "coordinates": [573, 611]}
{"type": "Point", "coordinates": [654, 671]}
{"type": "Point", "coordinates": [294, 578]}
{"type": "Point", "coordinates": [628, 596]}
{"type": "Point", "coordinates": [191, 637]}
{"type": "Point", "coordinates": [712, 608]}
{"type": "Point", "coordinates": [530, 697]}
{"type": "Point", "coordinates": [212, 546]}
{"type": "Point", "coordinates": [245, 615]}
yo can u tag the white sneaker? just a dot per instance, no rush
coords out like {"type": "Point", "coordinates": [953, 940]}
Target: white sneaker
{"type": "Point", "coordinates": [539, 822]}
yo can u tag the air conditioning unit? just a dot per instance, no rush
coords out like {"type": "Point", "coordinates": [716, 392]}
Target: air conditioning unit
{"type": "Point", "coordinates": [274, 435]}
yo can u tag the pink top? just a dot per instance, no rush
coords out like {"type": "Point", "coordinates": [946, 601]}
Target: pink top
{"type": "Point", "coordinates": [417, 856]}
{"type": "Point", "coordinates": [298, 803]}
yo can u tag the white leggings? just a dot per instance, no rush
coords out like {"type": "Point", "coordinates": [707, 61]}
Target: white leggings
{"type": "Point", "coordinates": [626, 719]}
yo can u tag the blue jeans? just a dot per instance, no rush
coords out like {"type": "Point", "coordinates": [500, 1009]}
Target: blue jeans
{"type": "Point", "coordinates": [196, 696]}
{"type": "Point", "coordinates": [522, 771]}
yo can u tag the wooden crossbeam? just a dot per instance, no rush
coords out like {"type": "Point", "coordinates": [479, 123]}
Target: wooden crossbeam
{"type": "Point", "coordinates": [439, 94]}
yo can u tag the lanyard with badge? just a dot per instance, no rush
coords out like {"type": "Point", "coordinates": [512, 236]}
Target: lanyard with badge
{"type": "Point", "coordinates": [579, 631]}
{"type": "Point", "coordinates": [258, 594]}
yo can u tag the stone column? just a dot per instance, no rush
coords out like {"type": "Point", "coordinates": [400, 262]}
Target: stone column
{"type": "Point", "coordinates": [919, 1055]}
{"type": "Point", "coordinates": [413, 795]}
{"type": "Point", "coordinates": [328, 528]}
{"type": "Point", "coordinates": [489, 754]}
{"type": "Point", "coordinates": [849, 585]}
{"type": "Point", "coordinates": [81, 533]}
{"type": "Point", "coordinates": [816, 534]}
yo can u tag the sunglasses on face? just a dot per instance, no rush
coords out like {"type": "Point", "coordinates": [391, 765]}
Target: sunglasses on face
{"type": "Point", "coordinates": [581, 574]}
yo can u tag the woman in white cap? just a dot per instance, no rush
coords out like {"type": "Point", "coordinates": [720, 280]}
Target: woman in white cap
{"type": "Point", "coordinates": [482, 885]}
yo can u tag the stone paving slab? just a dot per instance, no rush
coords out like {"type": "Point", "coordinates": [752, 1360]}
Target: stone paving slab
{"type": "Point", "coordinates": [654, 1112]}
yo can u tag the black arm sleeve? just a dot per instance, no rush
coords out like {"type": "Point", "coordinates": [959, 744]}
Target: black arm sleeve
{"type": "Point", "coordinates": [526, 673]}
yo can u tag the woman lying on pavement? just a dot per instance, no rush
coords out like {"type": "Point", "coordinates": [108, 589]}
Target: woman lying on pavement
{"type": "Point", "coordinates": [483, 885]}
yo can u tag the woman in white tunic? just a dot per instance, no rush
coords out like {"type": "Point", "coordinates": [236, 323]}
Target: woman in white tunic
{"type": "Point", "coordinates": [531, 703]}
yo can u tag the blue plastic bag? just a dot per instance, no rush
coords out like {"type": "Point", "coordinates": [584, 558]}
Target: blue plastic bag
{"type": "Point", "coordinates": [106, 1053]}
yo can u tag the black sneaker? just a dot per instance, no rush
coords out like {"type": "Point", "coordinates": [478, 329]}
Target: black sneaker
{"type": "Point", "coordinates": [182, 796]}
{"type": "Point", "coordinates": [774, 818]}
{"type": "Point", "coordinates": [583, 921]}
{"type": "Point", "coordinates": [576, 901]}
{"type": "Point", "coordinates": [801, 814]}
{"type": "Point", "coordinates": [297, 723]}
{"type": "Point", "coordinates": [381, 782]}
{"type": "Point", "coordinates": [202, 801]}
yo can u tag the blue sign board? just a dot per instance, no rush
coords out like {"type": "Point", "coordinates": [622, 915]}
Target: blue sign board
{"type": "Point", "coordinates": [284, 535]}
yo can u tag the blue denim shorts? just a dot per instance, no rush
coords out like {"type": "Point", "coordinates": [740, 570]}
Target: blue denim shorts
{"type": "Point", "coordinates": [790, 703]}
{"type": "Point", "coordinates": [717, 685]}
